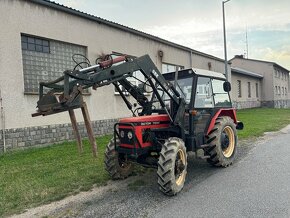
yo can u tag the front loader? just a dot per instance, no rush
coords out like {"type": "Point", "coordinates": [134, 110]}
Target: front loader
{"type": "Point", "coordinates": [173, 113]}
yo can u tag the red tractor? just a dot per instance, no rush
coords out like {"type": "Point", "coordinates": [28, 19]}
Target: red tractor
{"type": "Point", "coordinates": [174, 113]}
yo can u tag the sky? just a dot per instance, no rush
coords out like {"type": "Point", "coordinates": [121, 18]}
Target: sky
{"type": "Point", "coordinates": [258, 29]}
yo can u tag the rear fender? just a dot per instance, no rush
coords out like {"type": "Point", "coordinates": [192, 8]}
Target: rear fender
{"type": "Point", "coordinates": [231, 112]}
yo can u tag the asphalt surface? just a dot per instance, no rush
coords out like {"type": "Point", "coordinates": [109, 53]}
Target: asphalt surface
{"type": "Point", "coordinates": [257, 185]}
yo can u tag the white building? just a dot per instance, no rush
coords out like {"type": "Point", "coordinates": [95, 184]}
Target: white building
{"type": "Point", "coordinates": [266, 84]}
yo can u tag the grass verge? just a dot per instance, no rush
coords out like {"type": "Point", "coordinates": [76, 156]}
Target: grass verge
{"type": "Point", "coordinates": [36, 176]}
{"type": "Point", "coordinates": [259, 120]}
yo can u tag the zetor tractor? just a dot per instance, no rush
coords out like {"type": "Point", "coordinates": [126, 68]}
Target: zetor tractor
{"type": "Point", "coordinates": [173, 113]}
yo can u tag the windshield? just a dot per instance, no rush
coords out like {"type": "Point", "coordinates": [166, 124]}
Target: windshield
{"type": "Point", "coordinates": [183, 86]}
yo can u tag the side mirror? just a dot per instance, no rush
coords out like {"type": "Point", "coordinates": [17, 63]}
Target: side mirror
{"type": "Point", "coordinates": [227, 86]}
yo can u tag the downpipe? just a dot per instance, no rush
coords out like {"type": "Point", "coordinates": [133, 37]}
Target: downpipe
{"type": "Point", "coordinates": [3, 122]}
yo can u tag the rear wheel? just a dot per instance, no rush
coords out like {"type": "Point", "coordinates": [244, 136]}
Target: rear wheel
{"type": "Point", "coordinates": [116, 164]}
{"type": "Point", "coordinates": [172, 166]}
{"type": "Point", "coordinates": [222, 141]}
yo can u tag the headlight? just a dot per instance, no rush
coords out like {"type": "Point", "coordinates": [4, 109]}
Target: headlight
{"type": "Point", "coordinates": [130, 135]}
{"type": "Point", "coordinates": [122, 134]}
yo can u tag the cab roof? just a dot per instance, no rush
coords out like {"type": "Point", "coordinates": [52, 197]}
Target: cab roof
{"type": "Point", "coordinates": [208, 73]}
{"type": "Point", "coordinates": [196, 71]}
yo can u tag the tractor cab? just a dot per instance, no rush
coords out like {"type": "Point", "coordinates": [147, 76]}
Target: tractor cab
{"type": "Point", "coordinates": [206, 94]}
{"type": "Point", "coordinates": [200, 88]}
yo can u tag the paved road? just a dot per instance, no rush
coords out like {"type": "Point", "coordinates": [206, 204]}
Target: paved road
{"type": "Point", "coordinates": [257, 185]}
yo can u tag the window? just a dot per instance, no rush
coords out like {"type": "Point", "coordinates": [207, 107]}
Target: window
{"type": "Point", "coordinates": [45, 60]}
{"type": "Point", "coordinates": [249, 90]}
{"type": "Point", "coordinates": [279, 90]}
{"type": "Point", "coordinates": [209, 93]}
{"type": "Point", "coordinates": [276, 90]}
{"type": "Point", "coordinates": [31, 43]}
{"type": "Point", "coordinates": [282, 90]}
{"type": "Point", "coordinates": [184, 87]}
{"type": "Point", "coordinates": [239, 88]}
{"type": "Point", "coordinates": [257, 90]}
{"type": "Point", "coordinates": [286, 91]}
{"type": "Point", "coordinates": [203, 96]}
{"type": "Point", "coordinates": [221, 98]}
{"type": "Point", "coordinates": [166, 68]}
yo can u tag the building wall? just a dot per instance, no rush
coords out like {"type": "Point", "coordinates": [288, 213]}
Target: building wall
{"type": "Point", "coordinates": [269, 97]}
{"type": "Point", "coordinates": [244, 101]}
{"type": "Point", "coordinates": [25, 17]}
{"type": "Point", "coordinates": [281, 88]}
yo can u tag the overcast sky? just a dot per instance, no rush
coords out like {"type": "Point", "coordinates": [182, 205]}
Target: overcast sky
{"type": "Point", "coordinates": [198, 23]}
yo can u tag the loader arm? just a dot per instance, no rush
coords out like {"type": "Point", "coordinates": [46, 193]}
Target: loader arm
{"type": "Point", "coordinates": [71, 84]}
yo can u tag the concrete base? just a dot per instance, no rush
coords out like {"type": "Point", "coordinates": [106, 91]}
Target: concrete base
{"type": "Point", "coordinates": [45, 135]}
{"type": "Point", "coordinates": [246, 104]}
{"type": "Point", "coordinates": [268, 104]}
{"type": "Point", "coordinates": [276, 104]}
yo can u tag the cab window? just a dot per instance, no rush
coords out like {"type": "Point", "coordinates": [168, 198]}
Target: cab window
{"type": "Point", "coordinates": [221, 98]}
{"type": "Point", "coordinates": [203, 95]}
{"type": "Point", "coordinates": [184, 87]}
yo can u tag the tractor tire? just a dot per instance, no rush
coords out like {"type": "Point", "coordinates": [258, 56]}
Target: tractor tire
{"type": "Point", "coordinates": [115, 164]}
{"type": "Point", "coordinates": [222, 141]}
{"type": "Point", "coordinates": [172, 166]}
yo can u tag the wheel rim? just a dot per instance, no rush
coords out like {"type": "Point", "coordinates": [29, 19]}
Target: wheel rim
{"type": "Point", "coordinates": [180, 167]}
{"type": "Point", "coordinates": [228, 142]}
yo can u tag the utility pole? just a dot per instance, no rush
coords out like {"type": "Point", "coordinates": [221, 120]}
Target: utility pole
{"type": "Point", "coordinates": [225, 40]}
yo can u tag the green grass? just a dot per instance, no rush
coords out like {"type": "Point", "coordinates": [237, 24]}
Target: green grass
{"type": "Point", "coordinates": [37, 176]}
{"type": "Point", "coordinates": [260, 120]}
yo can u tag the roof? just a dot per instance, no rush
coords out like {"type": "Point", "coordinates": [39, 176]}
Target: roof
{"type": "Point", "coordinates": [262, 61]}
{"type": "Point", "coordinates": [99, 20]}
{"type": "Point", "coordinates": [246, 72]}
{"type": "Point", "coordinates": [208, 73]}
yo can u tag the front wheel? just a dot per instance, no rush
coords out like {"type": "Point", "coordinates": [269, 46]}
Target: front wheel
{"type": "Point", "coordinates": [172, 166]}
{"type": "Point", "coordinates": [222, 141]}
{"type": "Point", "coordinates": [116, 164]}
